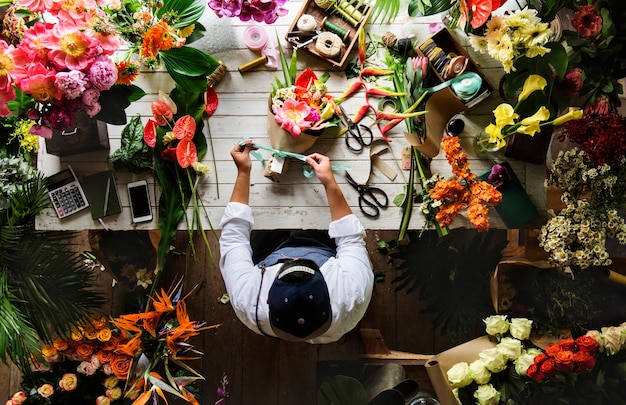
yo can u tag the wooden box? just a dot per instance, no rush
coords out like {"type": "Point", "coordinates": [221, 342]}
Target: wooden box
{"type": "Point", "coordinates": [326, 20]}
{"type": "Point", "coordinates": [88, 135]}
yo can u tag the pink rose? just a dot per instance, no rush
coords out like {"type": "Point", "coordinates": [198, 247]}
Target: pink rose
{"type": "Point", "coordinates": [68, 382]}
{"type": "Point", "coordinates": [45, 390]}
{"type": "Point", "coordinates": [18, 398]}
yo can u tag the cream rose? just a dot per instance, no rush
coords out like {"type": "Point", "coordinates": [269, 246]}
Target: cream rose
{"type": "Point", "coordinates": [496, 325]}
{"type": "Point", "coordinates": [102, 400]}
{"type": "Point", "coordinates": [459, 375]}
{"type": "Point", "coordinates": [480, 374]}
{"type": "Point", "coordinates": [111, 381]}
{"type": "Point", "coordinates": [487, 395]}
{"type": "Point", "coordinates": [45, 390]}
{"type": "Point", "coordinates": [520, 328]}
{"type": "Point", "coordinates": [613, 339]}
{"type": "Point", "coordinates": [523, 362]}
{"type": "Point", "coordinates": [114, 393]}
{"type": "Point", "coordinates": [494, 359]}
{"type": "Point", "coordinates": [512, 348]}
{"type": "Point", "coordinates": [18, 398]}
{"type": "Point", "coordinates": [68, 382]}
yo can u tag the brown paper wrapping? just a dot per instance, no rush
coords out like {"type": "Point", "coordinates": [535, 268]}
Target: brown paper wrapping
{"type": "Point", "coordinates": [438, 366]}
{"type": "Point", "coordinates": [284, 141]}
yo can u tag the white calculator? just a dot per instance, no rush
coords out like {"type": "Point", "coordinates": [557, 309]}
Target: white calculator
{"type": "Point", "coordinates": [65, 192]}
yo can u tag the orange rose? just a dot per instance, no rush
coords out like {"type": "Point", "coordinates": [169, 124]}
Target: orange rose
{"type": "Point", "coordinates": [91, 333]}
{"type": "Point", "coordinates": [77, 334]}
{"type": "Point", "coordinates": [105, 356]}
{"type": "Point", "coordinates": [84, 351]}
{"type": "Point", "coordinates": [48, 351]}
{"type": "Point", "coordinates": [99, 323]}
{"type": "Point", "coordinates": [111, 344]}
{"type": "Point", "coordinates": [564, 360]}
{"type": "Point", "coordinates": [121, 366]}
{"type": "Point", "coordinates": [60, 344]}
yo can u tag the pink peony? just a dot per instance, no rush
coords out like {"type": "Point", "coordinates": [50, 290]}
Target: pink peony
{"type": "Point", "coordinates": [58, 118]}
{"type": "Point", "coordinates": [72, 84]}
{"type": "Point", "coordinates": [36, 6]}
{"type": "Point", "coordinates": [70, 46]}
{"type": "Point", "coordinates": [32, 45]}
{"type": "Point", "coordinates": [39, 82]}
{"type": "Point", "coordinates": [102, 73]}
{"type": "Point", "coordinates": [292, 116]}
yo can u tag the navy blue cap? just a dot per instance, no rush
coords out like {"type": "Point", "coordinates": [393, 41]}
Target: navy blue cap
{"type": "Point", "coordinates": [299, 302]}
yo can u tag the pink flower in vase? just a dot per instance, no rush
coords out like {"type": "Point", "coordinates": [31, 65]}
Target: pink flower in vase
{"type": "Point", "coordinates": [292, 116]}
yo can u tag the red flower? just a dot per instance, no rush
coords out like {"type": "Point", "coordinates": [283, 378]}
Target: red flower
{"type": "Point", "coordinates": [149, 133]}
{"type": "Point", "coordinates": [564, 360]}
{"type": "Point", "coordinates": [583, 362]}
{"type": "Point", "coordinates": [587, 22]}
{"type": "Point", "coordinates": [568, 344]}
{"type": "Point", "coordinates": [548, 368]}
{"type": "Point", "coordinates": [186, 153]}
{"type": "Point", "coordinates": [534, 373]}
{"type": "Point", "coordinates": [185, 127]}
{"type": "Point", "coordinates": [587, 344]}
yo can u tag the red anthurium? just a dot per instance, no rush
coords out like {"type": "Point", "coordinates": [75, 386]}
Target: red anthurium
{"type": "Point", "coordinates": [496, 4]}
{"type": "Point", "coordinates": [185, 127]}
{"type": "Point", "coordinates": [161, 112]}
{"type": "Point", "coordinates": [169, 153]}
{"type": "Point", "coordinates": [210, 100]}
{"type": "Point", "coordinates": [480, 11]}
{"type": "Point", "coordinates": [306, 79]}
{"type": "Point", "coordinates": [149, 133]}
{"type": "Point", "coordinates": [186, 153]}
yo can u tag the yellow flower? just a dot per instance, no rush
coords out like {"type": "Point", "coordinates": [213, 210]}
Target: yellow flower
{"type": "Point", "coordinates": [201, 168]}
{"type": "Point", "coordinates": [188, 30]}
{"type": "Point", "coordinates": [505, 115]}
{"type": "Point", "coordinates": [114, 393]}
{"type": "Point", "coordinates": [572, 114]}
{"type": "Point", "coordinates": [532, 84]}
{"type": "Point", "coordinates": [495, 135]}
{"type": "Point", "coordinates": [104, 334]}
{"type": "Point", "coordinates": [530, 125]}
{"type": "Point", "coordinates": [111, 382]}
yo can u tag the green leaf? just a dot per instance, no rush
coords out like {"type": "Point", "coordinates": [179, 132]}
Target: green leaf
{"type": "Point", "coordinates": [189, 61]}
{"type": "Point", "coordinates": [341, 390]}
{"type": "Point", "coordinates": [133, 155]}
{"type": "Point", "coordinates": [115, 101]}
{"type": "Point", "coordinates": [186, 11]}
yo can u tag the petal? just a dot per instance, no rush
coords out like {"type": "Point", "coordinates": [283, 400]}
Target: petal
{"type": "Point", "coordinates": [185, 127]}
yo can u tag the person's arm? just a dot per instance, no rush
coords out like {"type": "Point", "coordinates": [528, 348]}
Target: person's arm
{"type": "Point", "coordinates": [241, 156]}
{"type": "Point", "coordinates": [337, 203]}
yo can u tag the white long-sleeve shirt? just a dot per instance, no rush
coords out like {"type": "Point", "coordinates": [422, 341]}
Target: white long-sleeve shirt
{"type": "Point", "coordinates": [348, 275]}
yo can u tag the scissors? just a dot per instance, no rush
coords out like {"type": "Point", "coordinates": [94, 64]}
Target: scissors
{"type": "Point", "coordinates": [371, 199]}
{"type": "Point", "coordinates": [356, 131]}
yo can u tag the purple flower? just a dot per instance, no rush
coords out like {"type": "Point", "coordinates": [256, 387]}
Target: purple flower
{"type": "Point", "coordinates": [58, 118]}
{"type": "Point", "coordinates": [102, 73]}
{"type": "Point", "coordinates": [93, 110]}
{"type": "Point", "coordinates": [226, 8]}
{"type": "Point", "coordinates": [499, 175]}
{"type": "Point", "coordinates": [72, 83]}
{"type": "Point", "coordinates": [314, 116]}
{"type": "Point", "coordinates": [266, 11]}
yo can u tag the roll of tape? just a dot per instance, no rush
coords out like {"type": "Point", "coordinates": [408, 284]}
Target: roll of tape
{"type": "Point", "coordinates": [306, 23]}
{"type": "Point", "coordinates": [455, 67]}
{"type": "Point", "coordinates": [255, 38]}
{"type": "Point", "coordinates": [467, 86]}
{"type": "Point", "coordinates": [328, 44]}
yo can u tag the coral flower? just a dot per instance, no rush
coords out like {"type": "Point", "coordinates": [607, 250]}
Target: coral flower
{"type": "Point", "coordinates": [185, 127]}
{"type": "Point", "coordinates": [70, 46]}
{"type": "Point", "coordinates": [186, 153]}
{"type": "Point", "coordinates": [158, 38]}
{"type": "Point", "coordinates": [292, 116]}
{"type": "Point", "coordinates": [587, 22]}
{"type": "Point", "coordinates": [127, 72]}
{"type": "Point", "coordinates": [162, 302]}
{"type": "Point", "coordinates": [162, 112]}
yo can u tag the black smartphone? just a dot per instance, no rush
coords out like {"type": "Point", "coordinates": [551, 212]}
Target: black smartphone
{"type": "Point", "coordinates": [139, 201]}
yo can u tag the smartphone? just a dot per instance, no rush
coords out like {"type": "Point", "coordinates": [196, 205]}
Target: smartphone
{"type": "Point", "coordinates": [139, 201]}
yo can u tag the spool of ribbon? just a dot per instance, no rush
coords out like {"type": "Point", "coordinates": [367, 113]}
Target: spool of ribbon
{"type": "Point", "coordinates": [465, 85]}
{"type": "Point", "coordinates": [307, 171]}
{"type": "Point", "coordinates": [255, 38]}
{"type": "Point", "coordinates": [306, 23]}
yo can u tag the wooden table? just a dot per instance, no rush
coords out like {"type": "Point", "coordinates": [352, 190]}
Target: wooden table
{"type": "Point", "coordinates": [295, 202]}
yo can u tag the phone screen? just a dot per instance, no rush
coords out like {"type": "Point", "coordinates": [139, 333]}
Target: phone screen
{"type": "Point", "coordinates": [140, 202]}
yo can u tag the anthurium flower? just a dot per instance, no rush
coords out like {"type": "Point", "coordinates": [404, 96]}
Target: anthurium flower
{"type": "Point", "coordinates": [306, 78]}
{"type": "Point", "coordinates": [372, 71]}
{"type": "Point", "coordinates": [163, 96]}
{"type": "Point", "coordinates": [572, 114]}
{"type": "Point", "coordinates": [185, 127]}
{"type": "Point", "coordinates": [186, 153]}
{"type": "Point", "coordinates": [480, 11]}
{"type": "Point", "coordinates": [169, 153]}
{"type": "Point", "coordinates": [161, 112]}
{"type": "Point", "coordinates": [505, 115]}
{"type": "Point", "coordinates": [532, 84]}
{"type": "Point", "coordinates": [530, 125]}
{"type": "Point", "coordinates": [352, 88]}
{"type": "Point", "coordinates": [378, 92]}
{"type": "Point", "coordinates": [292, 116]}
{"type": "Point", "coordinates": [149, 133]}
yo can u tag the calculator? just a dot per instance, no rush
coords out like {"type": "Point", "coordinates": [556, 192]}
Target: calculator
{"type": "Point", "coordinates": [65, 192]}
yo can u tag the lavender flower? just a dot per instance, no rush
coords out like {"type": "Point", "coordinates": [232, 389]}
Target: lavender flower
{"type": "Point", "coordinates": [72, 84]}
{"type": "Point", "coordinates": [102, 73]}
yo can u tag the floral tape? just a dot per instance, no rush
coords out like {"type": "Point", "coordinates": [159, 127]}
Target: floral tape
{"type": "Point", "coordinates": [255, 38]}
{"type": "Point", "coordinates": [465, 85]}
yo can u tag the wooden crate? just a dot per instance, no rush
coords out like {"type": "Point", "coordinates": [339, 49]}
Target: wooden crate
{"type": "Point", "coordinates": [320, 15]}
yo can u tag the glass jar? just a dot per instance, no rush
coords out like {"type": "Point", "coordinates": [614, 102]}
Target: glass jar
{"type": "Point", "coordinates": [482, 146]}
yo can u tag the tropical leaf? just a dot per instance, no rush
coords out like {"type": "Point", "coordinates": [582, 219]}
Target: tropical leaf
{"type": "Point", "coordinates": [425, 7]}
{"type": "Point", "coordinates": [186, 11]}
{"type": "Point", "coordinates": [385, 11]}
{"type": "Point", "coordinates": [341, 390]}
{"type": "Point", "coordinates": [133, 155]}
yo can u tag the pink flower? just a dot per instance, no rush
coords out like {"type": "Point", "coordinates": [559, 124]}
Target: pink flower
{"type": "Point", "coordinates": [86, 367]}
{"type": "Point", "coordinates": [72, 84]}
{"type": "Point", "coordinates": [44, 132]}
{"type": "Point", "coordinates": [58, 118]}
{"type": "Point", "coordinates": [587, 22]}
{"type": "Point", "coordinates": [292, 116]}
{"type": "Point", "coordinates": [90, 96]}
{"type": "Point", "coordinates": [599, 106]}
{"type": "Point", "coordinates": [77, 10]}
{"type": "Point", "coordinates": [32, 45]}
{"type": "Point", "coordinates": [45, 390]}
{"type": "Point", "coordinates": [71, 47]}
{"type": "Point", "coordinates": [102, 73]}
{"type": "Point", "coordinates": [39, 83]}
{"type": "Point", "coordinates": [18, 398]}
{"type": "Point", "coordinates": [103, 400]}
{"type": "Point", "coordinates": [149, 133]}
{"type": "Point", "coordinates": [93, 110]}
{"type": "Point", "coordinates": [37, 6]}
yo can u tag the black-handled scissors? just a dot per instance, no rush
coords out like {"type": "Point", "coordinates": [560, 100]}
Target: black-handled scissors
{"type": "Point", "coordinates": [358, 136]}
{"type": "Point", "coordinates": [371, 199]}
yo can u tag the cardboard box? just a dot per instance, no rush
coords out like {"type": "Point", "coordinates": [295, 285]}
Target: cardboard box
{"type": "Point", "coordinates": [321, 16]}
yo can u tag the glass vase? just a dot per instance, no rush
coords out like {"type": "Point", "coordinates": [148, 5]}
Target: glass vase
{"type": "Point", "coordinates": [483, 147]}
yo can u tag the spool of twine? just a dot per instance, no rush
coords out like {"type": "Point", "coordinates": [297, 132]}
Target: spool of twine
{"type": "Point", "coordinates": [217, 75]}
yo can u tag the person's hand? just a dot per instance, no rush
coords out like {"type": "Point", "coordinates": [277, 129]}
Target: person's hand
{"type": "Point", "coordinates": [241, 156]}
{"type": "Point", "coordinates": [323, 169]}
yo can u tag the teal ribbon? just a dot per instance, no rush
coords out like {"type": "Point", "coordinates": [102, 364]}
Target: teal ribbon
{"type": "Point", "coordinates": [465, 85]}
{"type": "Point", "coordinates": [307, 170]}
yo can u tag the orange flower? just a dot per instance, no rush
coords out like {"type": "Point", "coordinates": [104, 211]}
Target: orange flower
{"type": "Point", "coordinates": [104, 356]}
{"type": "Point", "coordinates": [99, 323]}
{"type": "Point", "coordinates": [186, 153]}
{"type": "Point", "coordinates": [151, 322]}
{"type": "Point", "coordinates": [127, 72]}
{"type": "Point", "coordinates": [48, 351]}
{"type": "Point", "coordinates": [120, 365]}
{"type": "Point", "coordinates": [127, 323]}
{"type": "Point", "coordinates": [185, 127]}
{"type": "Point", "coordinates": [158, 38]}
{"type": "Point", "coordinates": [91, 334]}
{"type": "Point", "coordinates": [60, 344]}
{"type": "Point", "coordinates": [131, 347]}
{"type": "Point", "coordinates": [162, 303]}
{"type": "Point", "coordinates": [84, 350]}
{"type": "Point", "coordinates": [111, 344]}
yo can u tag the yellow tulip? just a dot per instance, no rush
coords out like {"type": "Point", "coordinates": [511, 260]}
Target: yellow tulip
{"type": "Point", "coordinates": [572, 114]}
{"type": "Point", "coordinates": [532, 84]}
{"type": "Point", "coordinates": [505, 115]}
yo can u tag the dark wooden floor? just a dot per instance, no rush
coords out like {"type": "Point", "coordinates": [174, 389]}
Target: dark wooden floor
{"type": "Point", "coordinates": [267, 371]}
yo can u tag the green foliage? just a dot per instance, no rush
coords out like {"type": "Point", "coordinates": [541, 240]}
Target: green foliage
{"type": "Point", "coordinates": [187, 12]}
{"type": "Point", "coordinates": [114, 102]}
{"type": "Point", "coordinates": [385, 11]}
{"type": "Point", "coordinates": [341, 390]}
{"type": "Point", "coordinates": [44, 287]}
{"type": "Point", "coordinates": [452, 274]}
{"type": "Point", "coordinates": [189, 67]}
{"type": "Point", "coordinates": [133, 155]}
{"type": "Point", "coordinates": [418, 8]}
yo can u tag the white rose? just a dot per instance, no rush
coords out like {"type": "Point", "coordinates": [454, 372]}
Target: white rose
{"type": "Point", "coordinates": [487, 395]}
{"type": "Point", "coordinates": [480, 374]}
{"type": "Point", "coordinates": [520, 328]}
{"type": "Point", "coordinates": [597, 335]}
{"type": "Point", "coordinates": [612, 337]}
{"type": "Point", "coordinates": [459, 375]}
{"type": "Point", "coordinates": [496, 325]}
{"type": "Point", "coordinates": [533, 351]}
{"type": "Point", "coordinates": [523, 362]}
{"type": "Point", "coordinates": [511, 347]}
{"type": "Point", "coordinates": [494, 359]}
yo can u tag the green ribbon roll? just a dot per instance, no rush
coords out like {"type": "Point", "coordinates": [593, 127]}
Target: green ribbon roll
{"type": "Point", "coordinates": [465, 85]}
